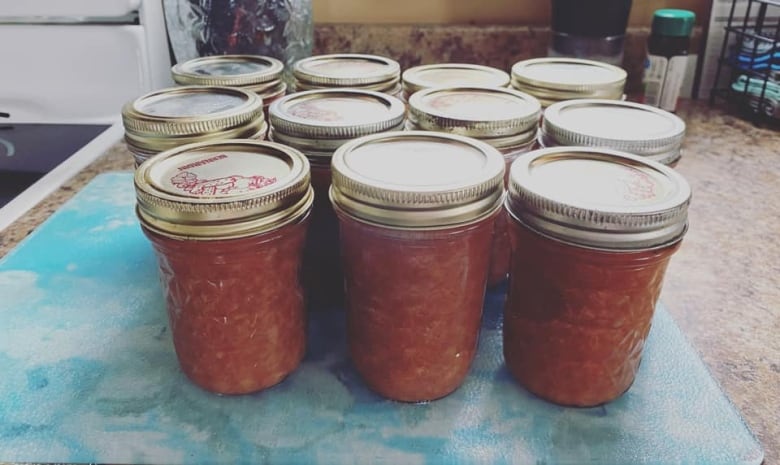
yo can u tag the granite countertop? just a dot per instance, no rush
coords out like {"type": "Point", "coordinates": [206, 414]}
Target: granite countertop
{"type": "Point", "coordinates": [721, 287]}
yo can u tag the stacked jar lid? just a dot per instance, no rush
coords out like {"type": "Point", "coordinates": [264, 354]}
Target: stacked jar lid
{"type": "Point", "coordinates": [451, 74]}
{"type": "Point", "coordinates": [364, 72]}
{"type": "Point", "coordinates": [626, 126]}
{"type": "Point", "coordinates": [504, 118]}
{"type": "Point", "coordinates": [317, 122]}
{"type": "Point", "coordinates": [259, 74]}
{"type": "Point", "coordinates": [169, 118]}
{"type": "Point", "coordinates": [556, 79]}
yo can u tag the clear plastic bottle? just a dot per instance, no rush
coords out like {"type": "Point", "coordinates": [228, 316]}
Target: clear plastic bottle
{"type": "Point", "coordinates": [667, 57]}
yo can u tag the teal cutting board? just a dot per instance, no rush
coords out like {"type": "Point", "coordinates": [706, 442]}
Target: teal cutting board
{"type": "Point", "coordinates": [88, 375]}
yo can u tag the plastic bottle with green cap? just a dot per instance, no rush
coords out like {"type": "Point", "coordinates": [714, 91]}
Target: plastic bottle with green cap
{"type": "Point", "coordinates": [667, 57]}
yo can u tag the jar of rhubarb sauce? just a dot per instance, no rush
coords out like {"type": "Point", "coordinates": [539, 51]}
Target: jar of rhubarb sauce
{"type": "Point", "coordinates": [592, 233]}
{"type": "Point", "coordinates": [451, 75]}
{"type": "Point", "coordinates": [356, 71]}
{"type": "Point", "coordinates": [228, 220]}
{"type": "Point", "coordinates": [554, 79]}
{"type": "Point", "coordinates": [254, 73]}
{"type": "Point", "coordinates": [317, 122]}
{"type": "Point", "coordinates": [615, 124]}
{"type": "Point", "coordinates": [416, 211]}
{"type": "Point", "coordinates": [169, 118]}
{"type": "Point", "coordinates": [504, 118]}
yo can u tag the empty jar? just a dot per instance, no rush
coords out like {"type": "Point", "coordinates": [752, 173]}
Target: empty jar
{"type": "Point", "coordinates": [592, 233]}
{"type": "Point", "coordinates": [627, 126]}
{"type": "Point", "coordinates": [169, 118]}
{"type": "Point", "coordinates": [451, 75]}
{"type": "Point", "coordinates": [555, 79]}
{"type": "Point", "coordinates": [317, 122]}
{"type": "Point", "coordinates": [416, 211]}
{"type": "Point", "coordinates": [504, 118]}
{"type": "Point", "coordinates": [228, 221]}
{"type": "Point", "coordinates": [365, 72]}
{"type": "Point", "coordinates": [254, 73]}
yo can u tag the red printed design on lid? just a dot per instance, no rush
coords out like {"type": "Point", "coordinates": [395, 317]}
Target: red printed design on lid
{"type": "Point", "coordinates": [315, 111]}
{"type": "Point", "coordinates": [637, 186]}
{"type": "Point", "coordinates": [232, 184]}
{"type": "Point", "coordinates": [477, 105]}
{"type": "Point", "coordinates": [221, 174]}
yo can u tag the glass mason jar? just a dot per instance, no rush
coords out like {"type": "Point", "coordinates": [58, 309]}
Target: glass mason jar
{"type": "Point", "coordinates": [317, 122]}
{"type": "Point", "coordinates": [169, 118]}
{"type": "Point", "coordinates": [627, 126]}
{"type": "Point", "coordinates": [282, 29]}
{"type": "Point", "coordinates": [556, 79]}
{"type": "Point", "coordinates": [592, 233]}
{"type": "Point", "coordinates": [356, 71]}
{"type": "Point", "coordinates": [227, 221]}
{"type": "Point", "coordinates": [451, 75]}
{"type": "Point", "coordinates": [416, 211]}
{"type": "Point", "coordinates": [504, 118]}
{"type": "Point", "coordinates": [253, 73]}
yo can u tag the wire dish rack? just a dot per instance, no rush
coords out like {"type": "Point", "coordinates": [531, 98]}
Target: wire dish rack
{"type": "Point", "coordinates": [748, 75]}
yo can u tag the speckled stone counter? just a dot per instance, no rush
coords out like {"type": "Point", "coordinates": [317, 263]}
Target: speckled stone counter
{"type": "Point", "coordinates": [721, 287]}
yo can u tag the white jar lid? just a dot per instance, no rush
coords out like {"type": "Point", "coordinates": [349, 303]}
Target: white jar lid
{"type": "Point", "coordinates": [599, 198]}
{"type": "Point", "coordinates": [631, 127]}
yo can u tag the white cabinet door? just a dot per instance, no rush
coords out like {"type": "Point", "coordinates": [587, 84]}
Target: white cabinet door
{"type": "Point", "coordinates": [67, 8]}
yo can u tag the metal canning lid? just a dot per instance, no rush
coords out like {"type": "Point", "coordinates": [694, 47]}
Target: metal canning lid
{"type": "Point", "coordinates": [346, 70]}
{"type": "Point", "coordinates": [266, 89]}
{"type": "Point", "coordinates": [224, 189]}
{"type": "Point", "coordinates": [270, 94]}
{"type": "Point", "coordinates": [316, 147]}
{"type": "Point", "coordinates": [154, 145]}
{"type": "Point", "coordinates": [541, 93]}
{"type": "Point", "coordinates": [452, 74]}
{"type": "Point", "coordinates": [335, 114]}
{"type": "Point", "coordinates": [599, 198]}
{"type": "Point", "coordinates": [388, 87]}
{"type": "Point", "coordinates": [475, 111]}
{"type": "Point", "coordinates": [189, 113]}
{"type": "Point", "coordinates": [568, 75]}
{"type": "Point", "coordinates": [228, 70]}
{"type": "Point", "coordinates": [417, 179]}
{"type": "Point", "coordinates": [512, 142]}
{"type": "Point", "coordinates": [502, 143]}
{"type": "Point", "coordinates": [627, 126]}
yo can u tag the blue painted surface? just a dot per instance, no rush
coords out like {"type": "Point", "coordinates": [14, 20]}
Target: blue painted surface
{"type": "Point", "coordinates": [88, 375]}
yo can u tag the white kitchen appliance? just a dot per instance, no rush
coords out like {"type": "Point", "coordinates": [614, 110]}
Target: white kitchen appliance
{"type": "Point", "coordinates": [66, 69]}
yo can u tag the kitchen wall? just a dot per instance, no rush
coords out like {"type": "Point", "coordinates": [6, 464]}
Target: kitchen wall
{"type": "Point", "coordinates": [525, 12]}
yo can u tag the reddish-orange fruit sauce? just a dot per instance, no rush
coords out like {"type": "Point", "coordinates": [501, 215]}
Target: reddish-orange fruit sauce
{"type": "Point", "coordinates": [228, 222]}
{"type": "Point", "coordinates": [592, 231]}
{"type": "Point", "coordinates": [414, 303]}
{"type": "Point", "coordinates": [416, 211]}
{"type": "Point", "coordinates": [235, 307]}
{"type": "Point", "coordinates": [577, 318]}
